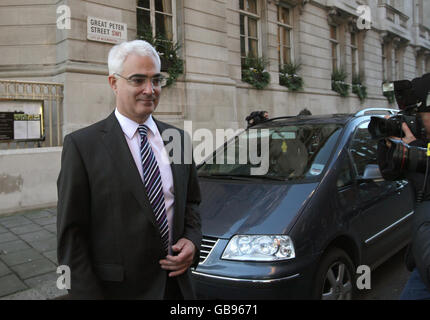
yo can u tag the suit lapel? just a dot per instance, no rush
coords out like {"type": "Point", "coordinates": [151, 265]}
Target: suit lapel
{"type": "Point", "coordinates": [114, 140]}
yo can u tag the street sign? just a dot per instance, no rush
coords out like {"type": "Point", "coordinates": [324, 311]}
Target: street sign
{"type": "Point", "coordinates": [106, 31]}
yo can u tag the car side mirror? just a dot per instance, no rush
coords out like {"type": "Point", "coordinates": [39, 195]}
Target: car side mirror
{"type": "Point", "coordinates": [371, 173]}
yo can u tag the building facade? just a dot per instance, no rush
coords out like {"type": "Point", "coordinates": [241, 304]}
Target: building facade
{"type": "Point", "coordinates": [46, 41]}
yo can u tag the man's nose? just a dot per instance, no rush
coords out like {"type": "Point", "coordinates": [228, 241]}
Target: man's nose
{"type": "Point", "coordinates": [147, 87]}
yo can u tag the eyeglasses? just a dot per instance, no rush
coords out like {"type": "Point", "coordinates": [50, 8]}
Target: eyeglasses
{"type": "Point", "coordinates": [139, 80]}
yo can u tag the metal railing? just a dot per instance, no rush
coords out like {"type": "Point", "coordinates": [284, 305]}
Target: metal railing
{"type": "Point", "coordinates": [51, 94]}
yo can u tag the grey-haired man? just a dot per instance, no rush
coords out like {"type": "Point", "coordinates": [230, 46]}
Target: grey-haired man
{"type": "Point", "coordinates": [128, 221]}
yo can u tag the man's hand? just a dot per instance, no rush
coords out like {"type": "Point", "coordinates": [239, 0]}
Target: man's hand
{"type": "Point", "coordinates": [408, 138]}
{"type": "Point", "coordinates": [180, 263]}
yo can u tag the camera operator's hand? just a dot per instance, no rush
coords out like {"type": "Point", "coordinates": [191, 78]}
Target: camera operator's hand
{"type": "Point", "coordinates": [408, 138]}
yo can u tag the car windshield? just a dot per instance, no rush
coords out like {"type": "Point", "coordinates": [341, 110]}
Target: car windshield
{"type": "Point", "coordinates": [292, 152]}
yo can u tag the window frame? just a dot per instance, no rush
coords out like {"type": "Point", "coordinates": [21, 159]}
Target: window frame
{"type": "Point", "coordinates": [398, 64]}
{"type": "Point", "coordinates": [152, 13]}
{"type": "Point", "coordinates": [336, 42]}
{"type": "Point", "coordinates": [355, 61]}
{"type": "Point", "coordinates": [257, 17]}
{"type": "Point", "coordinates": [283, 26]}
{"type": "Point", "coordinates": [384, 62]}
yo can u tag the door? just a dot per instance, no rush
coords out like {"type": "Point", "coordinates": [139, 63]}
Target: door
{"type": "Point", "coordinates": [383, 204]}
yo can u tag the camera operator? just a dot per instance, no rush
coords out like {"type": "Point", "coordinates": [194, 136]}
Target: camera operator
{"type": "Point", "coordinates": [418, 252]}
{"type": "Point", "coordinates": [256, 117]}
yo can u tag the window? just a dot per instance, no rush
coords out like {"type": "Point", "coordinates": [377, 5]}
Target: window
{"type": "Point", "coordinates": [384, 62]}
{"type": "Point", "coordinates": [387, 61]}
{"type": "Point", "coordinates": [344, 177]}
{"type": "Point", "coordinates": [420, 64]}
{"type": "Point", "coordinates": [398, 64]}
{"type": "Point", "coordinates": [354, 55]}
{"type": "Point", "coordinates": [363, 149]}
{"type": "Point", "coordinates": [157, 16]}
{"type": "Point", "coordinates": [249, 19]}
{"type": "Point", "coordinates": [284, 35]}
{"type": "Point", "coordinates": [334, 47]}
{"type": "Point", "coordinates": [295, 152]}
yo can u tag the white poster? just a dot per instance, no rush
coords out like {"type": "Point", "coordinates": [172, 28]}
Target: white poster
{"type": "Point", "coordinates": [33, 127]}
{"type": "Point", "coordinates": [20, 129]}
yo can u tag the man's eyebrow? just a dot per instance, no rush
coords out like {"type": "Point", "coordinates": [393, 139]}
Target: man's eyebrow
{"type": "Point", "coordinates": [144, 75]}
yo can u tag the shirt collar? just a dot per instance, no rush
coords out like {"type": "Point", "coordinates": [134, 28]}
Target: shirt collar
{"type": "Point", "coordinates": [129, 127]}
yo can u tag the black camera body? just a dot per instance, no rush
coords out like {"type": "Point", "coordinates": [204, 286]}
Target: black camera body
{"type": "Point", "coordinates": [411, 97]}
{"type": "Point", "coordinates": [380, 128]}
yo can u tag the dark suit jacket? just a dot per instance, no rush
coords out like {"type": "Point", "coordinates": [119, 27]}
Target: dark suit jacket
{"type": "Point", "coordinates": [107, 233]}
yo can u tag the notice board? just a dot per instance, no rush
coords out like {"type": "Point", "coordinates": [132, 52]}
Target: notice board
{"type": "Point", "coordinates": [21, 120]}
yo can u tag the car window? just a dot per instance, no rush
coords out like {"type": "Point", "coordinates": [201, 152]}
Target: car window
{"type": "Point", "coordinates": [344, 177]}
{"type": "Point", "coordinates": [294, 152]}
{"type": "Point", "coordinates": [362, 148]}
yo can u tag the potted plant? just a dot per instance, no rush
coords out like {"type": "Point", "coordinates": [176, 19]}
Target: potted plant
{"type": "Point", "coordinates": [254, 72]}
{"type": "Point", "coordinates": [288, 76]}
{"type": "Point", "coordinates": [358, 88]}
{"type": "Point", "coordinates": [338, 83]}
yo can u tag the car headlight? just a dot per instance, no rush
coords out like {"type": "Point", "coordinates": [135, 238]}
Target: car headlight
{"type": "Point", "coordinates": [259, 248]}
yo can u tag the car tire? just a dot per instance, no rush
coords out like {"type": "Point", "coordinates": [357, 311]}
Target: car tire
{"type": "Point", "coordinates": [335, 277]}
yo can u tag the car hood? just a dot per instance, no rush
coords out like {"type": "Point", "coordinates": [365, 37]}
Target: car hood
{"type": "Point", "coordinates": [236, 207]}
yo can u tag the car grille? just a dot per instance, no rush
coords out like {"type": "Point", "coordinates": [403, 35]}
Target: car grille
{"type": "Point", "coordinates": [208, 243]}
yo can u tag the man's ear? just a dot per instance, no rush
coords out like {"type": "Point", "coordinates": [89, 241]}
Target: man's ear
{"type": "Point", "coordinates": [112, 82]}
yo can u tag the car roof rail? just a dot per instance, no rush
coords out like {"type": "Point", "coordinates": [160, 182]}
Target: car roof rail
{"type": "Point", "coordinates": [279, 118]}
{"type": "Point", "coordinates": [364, 111]}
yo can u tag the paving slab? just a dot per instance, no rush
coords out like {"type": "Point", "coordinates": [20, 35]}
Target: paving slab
{"type": "Point", "coordinates": [38, 214]}
{"type": "Point", "coordinates": [19, 257]}
{"type": "Point", "coordinates": [14, 221]}
{"type": "Point", "coordinates": [26, 229]}
{"type": "Point", "coordinates": [51, 228]}
{"type": "Point", "coordinates": [45, 221]}
{"type": "Point", "coordinates": [28, 256]}
{"type": "Point", "coordinates": [51, 255]}
{"type": "Point", "coordinates": [36, 236]}
{"type": "Point", "coordinates": [10, 284]}
{"type": "Point", "coordinates": [13, 246]}
{"type": "Point", "coordinates": [45, 244]}
{"type": "Point", "coordinates": [50, 290]}
{"type": "Point", "coordinates": [37, 281]}
{"type": "Point", "coordinates": [7, 237]}
{"type": "Point", "coordinates": [4, 270]}
{"type": "Point", "coordinates": [33, 268]}
{"type": "Point", "coordinates": [3, 229]}
{"type": "Point", "coordinates": [30, 294]}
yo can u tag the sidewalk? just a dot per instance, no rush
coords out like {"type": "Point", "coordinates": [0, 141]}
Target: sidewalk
{"type": "Point", "coordinates": [28, 256]}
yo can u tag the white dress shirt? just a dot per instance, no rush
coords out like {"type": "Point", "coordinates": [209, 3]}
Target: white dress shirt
{"type": "Point", "coordinates": [131, 134]}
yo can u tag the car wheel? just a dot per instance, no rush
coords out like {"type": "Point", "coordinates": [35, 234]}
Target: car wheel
{"type": "Point", "coordinates": [335, 277]}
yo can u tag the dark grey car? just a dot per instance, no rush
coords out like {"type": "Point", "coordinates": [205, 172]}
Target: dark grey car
{"type": "Point", "coordinates": [300, 230]}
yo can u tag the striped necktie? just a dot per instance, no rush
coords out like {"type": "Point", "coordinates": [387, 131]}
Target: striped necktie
{"type": "Point", "coordinates": [153, 186]}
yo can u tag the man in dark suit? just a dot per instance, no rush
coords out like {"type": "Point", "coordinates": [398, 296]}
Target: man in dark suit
{"type": "Point", "coordinates": [128, 221]}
